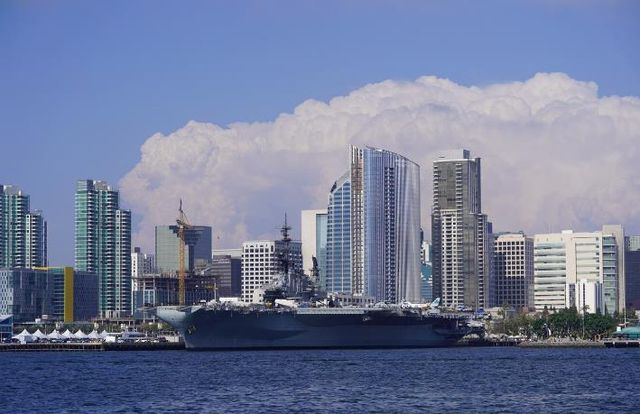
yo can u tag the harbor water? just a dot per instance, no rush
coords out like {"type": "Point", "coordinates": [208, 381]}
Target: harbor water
{"type": "Point", "coordinates": [493, 379]}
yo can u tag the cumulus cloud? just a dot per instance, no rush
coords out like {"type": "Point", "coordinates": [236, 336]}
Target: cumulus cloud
{"type": "Point", "coordinates": [555, 155]}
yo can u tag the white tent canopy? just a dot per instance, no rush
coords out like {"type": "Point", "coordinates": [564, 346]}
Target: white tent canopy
{"type": "Point", "coordinates": [104, 334]}
{"type": "Point", "coordinates": [54, 335]}
{"type": "Point", "coordinates": [22, 334]}
{"type": "Point", "coordinates": [80, 335]}
{"type": "Point", "coordinates": [94, 335]}
{"type": "Point", "coordinates": [67, 334]}
{"type": "Point", "coordinates": [38, 334]}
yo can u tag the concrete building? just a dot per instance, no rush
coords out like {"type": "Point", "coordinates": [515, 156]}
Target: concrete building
{"type": "Point", "coordinates": [313, 232]}
{"type": "Point", "coordinates": [60, 294]}
{"type": "Point", "coordinates": [103, 244]}
{"type": "Point", "coordinates": [460, 232]}
{"type": "Point", "coordinates": [142, 263]}
{"type": "Point", "coordinates": [161, 290]}
{"type": "Point", "coordinates": [235, 253]}
{"type": "Point", "coordinates": [632, 272]}
{"type": "Point", "coordinates": [373, 227]}
{"type": "Point", "coordinates": [586, 296]}
{"type": "Point", "coordinates": [513, 270]}
{"type": "Point", "coordinates": [23, 233]}
{"type": "Point", "coordinates": [550, 270]}
{"type": "Point", "coordinates": [562, 260]}
{"type": "Point", "coordinates": [197, 248]}
{"type": "Point", "coordinates": [261, 263]}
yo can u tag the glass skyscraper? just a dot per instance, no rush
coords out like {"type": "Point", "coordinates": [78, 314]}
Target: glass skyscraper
{"type": "Point", "coordinates": [373, 228]}
{"type": "Point", "coordinates": [197, 248]}
{"type": "Point", "coordinates": [23, 233]}
{"type": "Point", "coordinates": [103, 244]}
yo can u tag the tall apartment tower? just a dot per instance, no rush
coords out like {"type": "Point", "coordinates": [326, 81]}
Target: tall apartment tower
{"type": "Point", "coordinates": [373, 227]}
{"type": "Point", "coordinates": [23, 233]}
{"type": "Point", "coordinates": [513, 270]}
{"type": "Point", "coordinates": [103, 244]}
{"type": "Point", "coordinates": [460, 233]}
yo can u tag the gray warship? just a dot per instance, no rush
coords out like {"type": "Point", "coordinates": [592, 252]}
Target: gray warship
{"type": "Point", "coordinates": [294, 316]}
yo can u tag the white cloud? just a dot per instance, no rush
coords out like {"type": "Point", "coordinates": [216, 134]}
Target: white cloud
{"type": "Point", "coordinates": [555, 155]}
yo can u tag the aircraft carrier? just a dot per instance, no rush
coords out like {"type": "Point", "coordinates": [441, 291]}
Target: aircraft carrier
{"type": "Point", "coordinates": [227, 327]}
{"type": "Point", "coordinates": [280, 322]}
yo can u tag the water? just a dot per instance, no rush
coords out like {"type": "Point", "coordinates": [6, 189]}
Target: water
{"type": "Point", "coordinates": [429, 380]}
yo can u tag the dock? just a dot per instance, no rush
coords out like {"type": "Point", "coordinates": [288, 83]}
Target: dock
{"type": "Point", "coordinates": [622, 343]}
{"type": "Point", "coordinates": [92, 347]}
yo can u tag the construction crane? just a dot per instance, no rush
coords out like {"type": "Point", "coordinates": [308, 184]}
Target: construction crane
{"type": "Point", "coordinates": [183, 224]}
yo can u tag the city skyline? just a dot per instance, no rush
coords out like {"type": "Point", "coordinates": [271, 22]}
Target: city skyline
{"type": "Point", "coordinates": [438, 76]}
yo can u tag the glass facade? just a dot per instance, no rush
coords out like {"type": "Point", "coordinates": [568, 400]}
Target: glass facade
{"type": "Point", "coordinates": [197, 248]}
{"type": "Point", "coordinates": [338, 259]}
{"type": "Point", "coordinates": [23, 234]}
{"type": "Point", "coordinates": [632, 272]}
{"type": "Point", "coordinates": [373, 228]}
{"type": "Point", "coordinates": [103, 244]}
{"type": "Point", "coordinates": [321, 248]}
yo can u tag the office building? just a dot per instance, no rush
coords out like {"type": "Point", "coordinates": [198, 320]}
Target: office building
{"type": "Point", "coordinates": [460, 232]}
{"type": "Point", "coordinates": [227, 271]}
{"type": "Point", "coordinates": [313, 232]}
{"type": "Point", "coordinates": [23, 233]}
{"type": "Point", "coordinates": [550, 270]}
{"type": "Point", "coordinates": [373, 228]}
{"type": "Point", "coordinates": [563, 260]}
{"type": "Point", "coordinates": [55, 293]}
{"type": "Point", "coordinates": [632, 272]}
{"type": "Point", "coordinates": [197, 248]}
{"type": "Point", "coordinates": [262, 264]}
{"type": "Point", "coordinates": [103, 244]}
{"type": "Point", "coordinates": [513, 270]}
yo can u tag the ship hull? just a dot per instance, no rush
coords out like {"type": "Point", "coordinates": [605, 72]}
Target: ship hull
{"type": "Point", "coordinates": [218, 329]}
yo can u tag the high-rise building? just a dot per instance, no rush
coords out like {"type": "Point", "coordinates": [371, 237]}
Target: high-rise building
{"type": "Point", "coordinates": [23, 233]}
{"type": "Point", "coordinates": [262, 262]}
{"type": "Point", "coordinates": [591, 259]}
{"type": "Point", "coordinates": [197, 248]}
{"type": "Point", "coordinates": [313, 234]}
{"type": "Point", "coordinates": [632, 272]}
{"type": "Point", "coordinates": [373, 228]}
{"type": "Point", "coordinates": [460, 232]}
{"type": "Point", "coordinates": [338, 258]}
{"type": "Point", "coordinates": [513, 270]}
{"type": "Point", "coordinates": [103, 244]}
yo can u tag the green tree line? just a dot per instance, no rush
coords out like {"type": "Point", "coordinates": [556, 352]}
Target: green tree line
{"type": "Point", "coordinates": [562, 323]}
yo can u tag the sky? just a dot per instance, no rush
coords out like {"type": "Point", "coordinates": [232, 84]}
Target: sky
{"type": "Point", "coordinates": [109, 90]}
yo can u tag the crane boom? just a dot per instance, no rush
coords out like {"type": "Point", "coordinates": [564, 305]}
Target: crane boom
{"type": "Point", "coordinates": [183, 224]}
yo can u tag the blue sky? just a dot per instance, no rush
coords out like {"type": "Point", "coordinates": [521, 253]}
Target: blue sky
{"type": "Point", "coordinates": [84, 84]}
